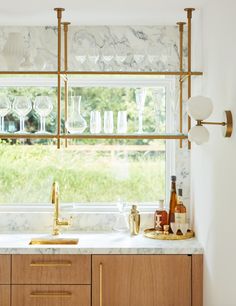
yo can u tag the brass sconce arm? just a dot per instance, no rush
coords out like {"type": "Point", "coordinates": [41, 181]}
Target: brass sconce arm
{"type": "Point", "coordinates": [228, 123]}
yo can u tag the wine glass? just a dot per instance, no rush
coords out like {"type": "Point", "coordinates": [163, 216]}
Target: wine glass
{"type": "Point", "coordinates": [140, 95]}
{"type": "Point", "coordinates": [43, 107]}
{"type": "Point", "coordinates": [5, 106]}
{"type": "Point", "coordinates": [22, 106]}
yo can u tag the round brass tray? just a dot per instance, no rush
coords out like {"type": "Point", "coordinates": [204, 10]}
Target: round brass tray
{"type": "Point", "coordinates": [153, 234]}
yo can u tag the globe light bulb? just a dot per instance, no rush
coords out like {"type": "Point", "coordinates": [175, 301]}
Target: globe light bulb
{"type": "Point", "coordinates": [199, 107]}
{"type": "Point", "coordinates": [198, 134]}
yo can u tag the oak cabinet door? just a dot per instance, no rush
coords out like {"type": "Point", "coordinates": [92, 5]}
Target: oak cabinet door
{"type": "Point", "coordinates": [141, 280]}
{"type": "Point", "coordinates": [5, 295]}
{"type": "Point", "coordinates": [5, 269]}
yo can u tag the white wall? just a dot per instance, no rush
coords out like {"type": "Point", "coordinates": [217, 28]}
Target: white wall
{"type": "Point", "coordinates": [214, 164]}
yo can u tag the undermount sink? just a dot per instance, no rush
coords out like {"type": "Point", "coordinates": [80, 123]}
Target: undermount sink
{"type": "Point", "coordinates": [54, 240]}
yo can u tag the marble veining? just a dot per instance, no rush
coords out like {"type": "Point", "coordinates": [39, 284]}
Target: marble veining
{"type": "Point", "coordinates": [100, 243]}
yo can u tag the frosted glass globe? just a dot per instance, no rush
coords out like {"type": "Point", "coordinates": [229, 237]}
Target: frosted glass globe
{"type": "Point", "coordinates": [198, 134]}
{"type": "Point", "coordinates": [199, 107]}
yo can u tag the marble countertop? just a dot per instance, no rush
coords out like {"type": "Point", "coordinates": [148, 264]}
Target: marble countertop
{"type": "Point", "coordinates": [99, 243]}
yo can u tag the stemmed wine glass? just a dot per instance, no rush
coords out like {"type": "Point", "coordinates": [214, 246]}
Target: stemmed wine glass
{"type": "Point", "coordinates": [5, 106]}
{"type": "Point", "coordinates": [43, 107]}
{"type": "Point", "coordinates": [22, 106]}
{"type": "Point", "coordinates": [140, 95]}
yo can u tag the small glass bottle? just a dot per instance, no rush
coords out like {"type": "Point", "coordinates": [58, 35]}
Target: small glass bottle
{"type": "Point", "coordinates": [163, 216]}
{"type": "Point", "coordinates": [180, 209]}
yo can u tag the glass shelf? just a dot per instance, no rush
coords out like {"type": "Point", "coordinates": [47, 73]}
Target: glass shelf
{"type": "Point", "coordinates": [95, 136]}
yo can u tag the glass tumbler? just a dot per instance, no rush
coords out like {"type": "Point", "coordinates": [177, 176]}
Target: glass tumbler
{"type": "Point", "coordinates": [95, 122]}
{"type": "Point", "coordinates": [108, 122]}
{"type": "Point", "coordinates": [122, 122]}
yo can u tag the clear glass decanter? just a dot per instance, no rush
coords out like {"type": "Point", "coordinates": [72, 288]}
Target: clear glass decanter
{"type": "Point", "coordinates": [75, 124]}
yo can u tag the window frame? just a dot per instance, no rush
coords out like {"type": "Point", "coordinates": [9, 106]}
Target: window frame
{"type": "Point", "coordinates": [131, 82]}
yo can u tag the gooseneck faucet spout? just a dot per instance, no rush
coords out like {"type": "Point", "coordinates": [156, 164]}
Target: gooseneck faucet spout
{"type": "Point", "coordinates": [57, 222]}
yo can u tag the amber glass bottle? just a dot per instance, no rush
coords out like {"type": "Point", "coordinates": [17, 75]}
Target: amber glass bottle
{"type": "Point", "coordinates": [173, 200]}
{"type": "Point", "coordinates": [180, 209]}
{"type": "Point", "coordinates": [163, 216]}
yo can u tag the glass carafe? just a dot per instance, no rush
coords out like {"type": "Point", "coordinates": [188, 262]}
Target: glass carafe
{"type": "Point", "coordinates": [75, 124]}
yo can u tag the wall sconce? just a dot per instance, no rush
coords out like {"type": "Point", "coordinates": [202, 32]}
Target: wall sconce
{"type": "Point", "coordinates": [200, 108]}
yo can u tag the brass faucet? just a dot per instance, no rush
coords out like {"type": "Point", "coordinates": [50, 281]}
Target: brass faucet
{"type": "Point", "coordinates": [57, 222]}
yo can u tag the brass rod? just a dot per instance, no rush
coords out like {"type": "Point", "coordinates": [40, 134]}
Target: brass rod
{"type": "Point", "coordinates": [213, 123]}
{"type": "Point", "coordinates": [59, 17]}
{"type": "Point", "coordinates": [196, 73]}
{"type": "Point", "coordinates": [127, 136]}
{"type": "Point", "coordinates": [28, 136]}
{"type": "Point", "coordinates": [66, 24]}
{"type": "Point", "coordinates": [189, 17]}
{"type": "Point", "coordinates": [193, 73]}
{"type": "Point", "coordinates": [93, 136]}
{"type": "Point", "coordinates": [29, 72]}
{"type": "Point", "coordinates": [181, 30]}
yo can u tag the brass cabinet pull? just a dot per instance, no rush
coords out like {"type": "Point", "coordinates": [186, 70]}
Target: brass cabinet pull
{"type": "Point", "coordinates": [100, 284]}
{"type": "Point", "coordinates": [64, 294]}
{"type": "Point", "coordinates": [51, 264]}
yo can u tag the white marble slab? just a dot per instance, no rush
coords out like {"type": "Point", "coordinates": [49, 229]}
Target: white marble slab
{"type": "Point", "coordinates": [100, 243]}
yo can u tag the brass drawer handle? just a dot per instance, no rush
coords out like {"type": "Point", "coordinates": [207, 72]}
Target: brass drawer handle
{"type": "Point", "coordinates": [51, 264]}
{"type": "Point", "coordinates": [64, 294]}
{"type": "Point", "coordinates": [100, 284]}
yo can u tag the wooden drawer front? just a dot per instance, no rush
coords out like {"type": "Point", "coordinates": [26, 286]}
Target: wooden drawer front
{"type": "Point", "coordinates": [5, 269]}
{"type": "Point", "coordinates": [5, 295]}
{"type": "Point", "coordinates": [141, 280]}
{"type": "Point", "coordinates": [51, 295]}
{"type": "Point", "coordinates": [51, 269]}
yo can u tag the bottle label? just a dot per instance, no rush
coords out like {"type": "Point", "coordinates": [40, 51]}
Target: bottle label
{"type": "Point", "coordinates": [180, 218]}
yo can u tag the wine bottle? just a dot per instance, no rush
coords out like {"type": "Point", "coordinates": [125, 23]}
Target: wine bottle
{"type": "Point", "coordinates": [173, 200]}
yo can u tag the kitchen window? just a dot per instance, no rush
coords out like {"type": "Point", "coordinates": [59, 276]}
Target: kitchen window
{"type": "Point", "coordinates": [90, 171]}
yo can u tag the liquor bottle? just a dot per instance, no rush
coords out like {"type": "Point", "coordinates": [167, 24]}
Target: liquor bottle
{"type": "Point", "coordinates": [180, 209]}
{"type": "Point", "coordinates": [173, 200]}
{"type": "Point", "coordinates": [163, 216]}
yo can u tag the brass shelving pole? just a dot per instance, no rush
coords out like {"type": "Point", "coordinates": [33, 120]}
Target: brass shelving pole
{"type": "Point", "coordinates": [65, 25]}
{"type": "Point", "coordinates": [59, 17]}
{"type": "Point", "coordinates": [189, 17]}
{"type": "Point", "coordinates": [181, 30]}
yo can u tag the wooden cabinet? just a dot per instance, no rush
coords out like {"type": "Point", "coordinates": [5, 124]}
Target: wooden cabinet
{"type": "Point", "coordinates": [5, 298]}
{"type": "Point", "coordinates": [141, 280]}
{"type": "Point", "coordinates": [101, 280]}
{"type": "Point", "coordinates": [51, 269]}
{"type": "Point", "coordinates": [51, 295]}
{"type": "Point", "coordinates": [5, 269]}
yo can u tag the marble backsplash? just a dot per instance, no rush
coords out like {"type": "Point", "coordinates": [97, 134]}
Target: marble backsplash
{"type": "Point", "coordinates": [35, 222]}
{"type": "Point", "coordinates": [101, 48]}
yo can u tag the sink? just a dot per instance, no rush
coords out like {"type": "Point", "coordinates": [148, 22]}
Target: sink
{"type": "Point", "coordinates": [54, 240]}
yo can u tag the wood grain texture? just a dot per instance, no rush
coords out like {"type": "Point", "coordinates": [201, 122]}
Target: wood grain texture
{"type": "Point", "coordinates": [80, 295]}
{"type": "Point", "coordinates": [142, 280]}
{"type": "Point", "coordinates": [79, 272]}
{"type": "Point", "coordinates": [5, 269]}
{"type": "Point", "coordinates": [5, 292]}
{"type": "Point", "coordinates": [197, 280]}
